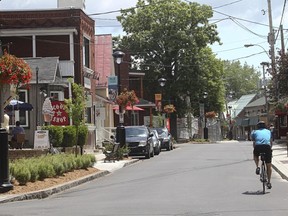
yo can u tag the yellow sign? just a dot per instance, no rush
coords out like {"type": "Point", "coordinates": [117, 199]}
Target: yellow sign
{"type": "Point", "coordinates": [158, 97]}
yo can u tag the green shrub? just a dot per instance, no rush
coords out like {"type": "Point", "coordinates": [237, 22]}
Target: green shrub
{"type": "Point", "coordinates": [33, 168]}
{"type": "Point", "coordinates": [86, 162]}
{"type": "Point", "coordinates": [39, 168]}
{"type": "Point", "coordinates": [82, 135]}
{"type": "Point", "coordinates": [55, 134]}
{"type": "Point", "coordinates": [69, 136]}
{"type": "Point", "coordinates": [69, 162]}
{"type": "Point", "coordinates": [22, 174]}
{"type": "Point", "coordinates": [45, 170]}
{"type": "Point", "coordinates": [58, 166]}
{"type": "Point", "coordinates": [79, 162]}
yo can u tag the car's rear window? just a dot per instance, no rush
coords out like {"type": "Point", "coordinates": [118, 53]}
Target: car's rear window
{"type": "Point", "coordinates": [130, 132]}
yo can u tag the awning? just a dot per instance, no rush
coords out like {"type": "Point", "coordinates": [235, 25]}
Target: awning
{"type": "Point", "coordinates": [135, 108]}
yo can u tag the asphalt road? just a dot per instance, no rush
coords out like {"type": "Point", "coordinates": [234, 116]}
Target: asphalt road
{"type": "Point", "coordinates": [194, 179]}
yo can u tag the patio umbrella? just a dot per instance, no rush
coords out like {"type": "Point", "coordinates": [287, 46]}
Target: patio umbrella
{"type": "Point", "coordinates": [18, 105]}
{"type": "Point", "coordinates": [135, 108]}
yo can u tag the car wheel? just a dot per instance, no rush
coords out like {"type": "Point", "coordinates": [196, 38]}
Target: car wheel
{"type": "Point", "coordinates": [158, 151]}
{"type": "Point", "coordinates": [152, 153]}
{"type": "Point", "coordinates": [168, 147]}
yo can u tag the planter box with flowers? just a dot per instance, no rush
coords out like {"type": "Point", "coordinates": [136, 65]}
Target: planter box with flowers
{"type": "Point", "coordinates": [127, 98]}
{"type": "Point", "coordinates": [169, 108]}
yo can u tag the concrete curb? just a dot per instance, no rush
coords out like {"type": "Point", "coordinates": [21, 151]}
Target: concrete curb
{"type": "Point", "coordinates": [41, 194]}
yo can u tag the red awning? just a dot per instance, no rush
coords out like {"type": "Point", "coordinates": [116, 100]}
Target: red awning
{"type": "Point", "coordinates": [135, 108]}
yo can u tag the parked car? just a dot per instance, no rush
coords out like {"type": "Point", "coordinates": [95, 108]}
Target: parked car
{"type": "Point", "coordinates": [165, 138]}
{"type": "Point", "coordinates": [139, 141]}
{"type": "Point", "coordinates": [156, 142]}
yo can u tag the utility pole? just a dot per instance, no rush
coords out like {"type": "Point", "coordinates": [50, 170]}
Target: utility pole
{"type": "Point", "coordinates": [271, 41]}
{"type": "Point", "coordinates": [282, 41]}
{"type": "Point", "coordinates": [265, 91]}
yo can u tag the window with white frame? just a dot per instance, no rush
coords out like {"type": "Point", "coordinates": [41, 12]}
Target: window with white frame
{"type": "Point", "coordinates": [57, 95]}
{"type": "Point", "coordinates": [135, 118]}
{"type": "Point", "coordinates": [86, 52]}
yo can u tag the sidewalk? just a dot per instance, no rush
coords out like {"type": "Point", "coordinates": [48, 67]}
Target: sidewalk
{"type": "Point", "coordinates": [280, 158]}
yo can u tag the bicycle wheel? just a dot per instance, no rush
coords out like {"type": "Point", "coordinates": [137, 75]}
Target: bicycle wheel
{"type": "Point", "coordinates": [263, 176]}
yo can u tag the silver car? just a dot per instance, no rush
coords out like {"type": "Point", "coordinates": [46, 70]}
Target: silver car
{"type": "Point", "coordinates": [156, 142]}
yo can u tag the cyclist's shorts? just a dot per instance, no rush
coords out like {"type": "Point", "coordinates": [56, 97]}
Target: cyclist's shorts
{"type": "Point", "coordinates": [263, 149]}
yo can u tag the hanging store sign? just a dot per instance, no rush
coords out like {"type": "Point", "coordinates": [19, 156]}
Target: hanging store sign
{"type": "Point", "coordinates": [60, 115]}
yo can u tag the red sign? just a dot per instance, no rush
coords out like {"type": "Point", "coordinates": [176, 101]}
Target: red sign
{"type": "Point", "coordinates": [60, 115]}
{"type": "Point", "coordinates": [168, 124]}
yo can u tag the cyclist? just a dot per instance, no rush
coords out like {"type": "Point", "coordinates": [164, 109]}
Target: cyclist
{"type": "Point", "coordinates": [262, 143]}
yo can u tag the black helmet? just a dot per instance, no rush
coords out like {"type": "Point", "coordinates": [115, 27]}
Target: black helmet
{"type": "Point", "coordinates": [261, 124]}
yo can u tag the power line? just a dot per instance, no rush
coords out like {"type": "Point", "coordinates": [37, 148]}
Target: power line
{"type": "Point", "coordinates": [281, 20]}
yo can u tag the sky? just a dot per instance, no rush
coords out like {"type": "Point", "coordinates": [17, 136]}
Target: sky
{"type": "Point", "coordinates": [239, 22]}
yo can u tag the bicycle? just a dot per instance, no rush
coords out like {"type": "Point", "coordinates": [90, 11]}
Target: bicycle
{"type": "Point", "coordinates": [263, 172]}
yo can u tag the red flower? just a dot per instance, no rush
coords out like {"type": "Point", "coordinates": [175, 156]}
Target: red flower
{"type": "Point", "coordinates": [14, 70]}
{"type": "Point", "coordinates": [127, 98]}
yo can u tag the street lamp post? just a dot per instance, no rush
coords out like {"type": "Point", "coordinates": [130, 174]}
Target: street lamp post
{"type": "Point", "coordinates": [120, 130]}
{"type": "Point", "coordinates": [265, 91]}
{"type": "Point", "coordinates": [205, 130]}
{"type": "Point", "coordinates": [251, 45]}
{"type": "Point", "coordinates": [230, 134]}
{"type": "Point", "coordinates": [272, 58]}
{"type": "Point", "coordinates": [37, 83]}
{"type": "Point", "coordinates": [162, 82]}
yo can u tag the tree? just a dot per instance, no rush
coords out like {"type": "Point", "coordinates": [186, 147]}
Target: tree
{"type": "Point", "coordinates": [170, 38]}
{"type": "Point", "coordinates": [282, 77]}
{"type": "Point", "coordinates": [75, 107]}
{"type": "Point", "coordinates": [240, 80]}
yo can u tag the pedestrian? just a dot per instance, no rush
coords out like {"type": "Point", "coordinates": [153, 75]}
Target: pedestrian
{"type": "Point", "coordinates": [5, 123]}
{"type": "Point", "coordinates": [272, 129]}
{"type": "Point", "coordinates": [17, 130]}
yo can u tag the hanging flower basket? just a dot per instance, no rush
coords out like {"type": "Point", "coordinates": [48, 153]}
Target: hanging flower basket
{"type": "Point", "coordinates": [127, 98]}
{"type": "Point", "coordinates": [211, 114]}
{"type": "Point", "coordinates": [14, 70]}
{"type": "Point", "coordinates": [170, 108]}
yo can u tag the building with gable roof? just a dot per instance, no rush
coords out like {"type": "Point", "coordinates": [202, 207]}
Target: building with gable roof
{"type": "Point", "coordinates": [59, 44]}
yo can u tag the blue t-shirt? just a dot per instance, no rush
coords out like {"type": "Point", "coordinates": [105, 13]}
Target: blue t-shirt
{"type": "Point", "coordinates": [261, 136]}
{"type": "Point", "coordinates": [17, 130]}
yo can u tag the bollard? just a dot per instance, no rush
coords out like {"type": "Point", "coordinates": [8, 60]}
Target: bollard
{"type": "Point", "coordinates": [205, 133]}
{"type": "Point", "coordinates": [5, 184]}
{"type": "Point", "coordinates": [121, 135]}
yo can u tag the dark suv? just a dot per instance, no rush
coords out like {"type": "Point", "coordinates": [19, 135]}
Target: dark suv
{"type": "Point", "coordinates": [166, 138]}
{"type": "Point", "coordinates": [139, 141]}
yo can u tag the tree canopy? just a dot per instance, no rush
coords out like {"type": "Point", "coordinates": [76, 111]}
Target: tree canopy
{"type": "Point", "coordinates": [169, 39]}
{"type": "Point", "coordinates": [240, 80]}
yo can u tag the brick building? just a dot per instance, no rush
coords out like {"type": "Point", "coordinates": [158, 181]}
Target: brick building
{"type": "Point", "coordinates": [66, 34]}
